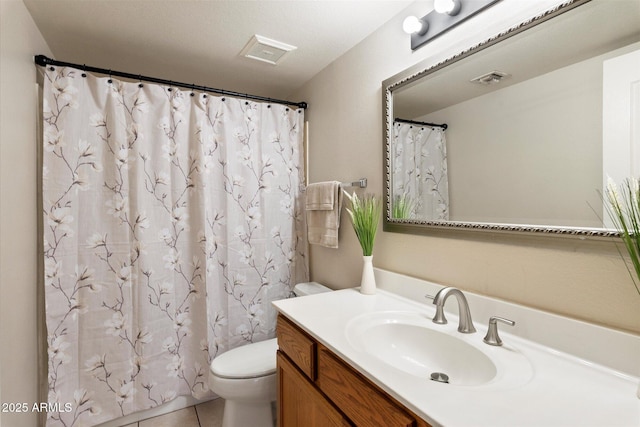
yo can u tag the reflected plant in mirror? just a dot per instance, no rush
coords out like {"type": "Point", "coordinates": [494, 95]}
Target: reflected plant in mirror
{"type": "Point", "coordinates": [538, 117]}
{"type": "Point", "coordinates": [403, 207]}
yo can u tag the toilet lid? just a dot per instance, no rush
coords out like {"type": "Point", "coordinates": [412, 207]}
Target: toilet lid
{"type": "Point", "coordinates": [248, 361]}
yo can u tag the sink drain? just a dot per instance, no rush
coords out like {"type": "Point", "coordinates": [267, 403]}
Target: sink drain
{"type": "Point", "coordinates": [440, 377]}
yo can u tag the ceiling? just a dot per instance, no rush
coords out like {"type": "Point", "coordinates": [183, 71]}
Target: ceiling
{"type": "Point", "coordinates": [199, 41]}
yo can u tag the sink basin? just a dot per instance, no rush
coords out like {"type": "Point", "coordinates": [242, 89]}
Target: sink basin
{"type": "Point", "coordinates": [411, 343]}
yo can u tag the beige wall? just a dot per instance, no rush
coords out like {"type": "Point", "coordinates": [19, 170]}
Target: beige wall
{"type": "Point", "coordinates": [581, 279]}
{"type": "Point", "coordinates": [20, 40]}
{"type": "Point", "coordinates": [539, 141]}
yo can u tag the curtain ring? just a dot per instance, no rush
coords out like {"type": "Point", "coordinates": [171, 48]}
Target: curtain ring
{"type": "Point", "coordinates": [84, 70]}
{"type": "Point", "coordinates": [140, 80]}
{"type": "Point", "coordinates": [110, 80]}
{"type": "Point", "coordinates": [170, 84]}
{"type": "Point", "coordinates": [192, 89]}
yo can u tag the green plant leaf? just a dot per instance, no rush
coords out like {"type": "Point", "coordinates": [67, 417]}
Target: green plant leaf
{"type": "Point", "coordinates": [623, 207]}
{"type": "Point", "coordinates": [365, 214]}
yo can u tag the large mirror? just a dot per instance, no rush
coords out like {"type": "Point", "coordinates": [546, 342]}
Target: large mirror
{"type": "Point", "coordinates": [520, 132]}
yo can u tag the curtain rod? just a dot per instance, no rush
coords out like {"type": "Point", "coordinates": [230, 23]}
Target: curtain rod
{"type": "Point", "coordinates": [43, 61]}
{"type": "Point", "coordinates": [443, 126]}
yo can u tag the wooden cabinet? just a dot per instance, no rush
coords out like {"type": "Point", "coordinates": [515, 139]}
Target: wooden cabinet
{"type": "Point", "coordinates": [300, 403]}
{"type": "Point", "coordinates": [316, 388]}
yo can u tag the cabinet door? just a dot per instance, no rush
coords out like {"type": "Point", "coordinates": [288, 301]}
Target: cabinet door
{"type": "Point", "coordinates": [362, 402]}
{"type": "Point", "coordinates": [299, 403]}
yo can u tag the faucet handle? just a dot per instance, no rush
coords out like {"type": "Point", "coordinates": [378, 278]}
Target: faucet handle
{"type": "Point", "coordinates": [492, 337]}
{"type": "Point", "coordinates": [439, 316]}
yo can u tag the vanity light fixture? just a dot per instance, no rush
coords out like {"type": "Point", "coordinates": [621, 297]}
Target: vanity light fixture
{"type": "Point", "coordinates": [446, 15]}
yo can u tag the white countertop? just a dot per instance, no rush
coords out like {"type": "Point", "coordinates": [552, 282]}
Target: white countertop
{"type": "Point", "coordinates": [559, 389]}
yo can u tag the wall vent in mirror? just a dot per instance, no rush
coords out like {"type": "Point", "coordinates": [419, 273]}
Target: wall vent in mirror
{"type": "Point", "coordinates": [492, 78]}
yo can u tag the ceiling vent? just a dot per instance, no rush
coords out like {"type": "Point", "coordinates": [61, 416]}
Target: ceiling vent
{"type": "Point", "coordinates": [491, 78]}
{"type": "Point", "coordinates": [266, 50]}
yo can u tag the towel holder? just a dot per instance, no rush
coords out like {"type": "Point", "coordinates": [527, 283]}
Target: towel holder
{"type": "Point", "coordinates": [362, 183]}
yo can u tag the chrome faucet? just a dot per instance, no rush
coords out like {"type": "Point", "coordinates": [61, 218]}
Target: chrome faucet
{"type": "Point", "coordinates": [466, 324]}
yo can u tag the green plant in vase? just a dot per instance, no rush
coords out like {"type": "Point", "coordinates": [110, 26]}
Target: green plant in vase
{"type": "Point", "coordinates": [365, 215]}
{"type": "Point", "coordinates": [624, 210]}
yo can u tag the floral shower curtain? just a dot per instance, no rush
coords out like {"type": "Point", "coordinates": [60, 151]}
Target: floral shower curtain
{"type": "Point", "coordinates": [172, 219]}
{"type": "Point", "coordinates": [420, 184]}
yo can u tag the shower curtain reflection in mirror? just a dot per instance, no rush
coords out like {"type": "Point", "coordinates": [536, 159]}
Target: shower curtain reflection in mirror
{"type": "Point", "coordinates": [420, 188]}
{"type": "Point", "coordinates": [171, 220]}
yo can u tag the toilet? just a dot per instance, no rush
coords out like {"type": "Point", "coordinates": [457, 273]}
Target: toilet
{"type": "Point", "coordinates": [245, 377]}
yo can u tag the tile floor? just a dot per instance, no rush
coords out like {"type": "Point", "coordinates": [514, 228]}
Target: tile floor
{"type": "Point", "coordinates": [208, 414]}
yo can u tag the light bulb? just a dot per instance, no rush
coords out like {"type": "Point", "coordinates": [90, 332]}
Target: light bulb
{"type": "Point", "coordinates": [412, 25]}
{"type": "Point", "coordinates": [450, 7]}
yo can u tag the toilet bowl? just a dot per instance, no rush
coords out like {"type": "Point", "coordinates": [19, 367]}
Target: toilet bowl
{"type": "Point", "coordinates": [245, 377]}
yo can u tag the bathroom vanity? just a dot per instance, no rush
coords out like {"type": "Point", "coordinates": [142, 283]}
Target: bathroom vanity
{"type": "Point", "coordinates": [317, 388]}
{"type": "Point", "coordinates": [350, 359]}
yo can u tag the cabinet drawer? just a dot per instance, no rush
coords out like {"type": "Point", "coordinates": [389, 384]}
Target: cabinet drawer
{"type": "Point", "coordinates": [297, 345]}
{"type": "Point", "coordinates": [361, 402]}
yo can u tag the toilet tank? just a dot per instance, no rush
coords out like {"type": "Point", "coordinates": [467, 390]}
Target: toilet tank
{"type": "Point", "coordinates": [309, 288]}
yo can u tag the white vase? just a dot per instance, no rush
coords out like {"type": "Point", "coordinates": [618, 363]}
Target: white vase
{"type": "Point", "coordinates": [368, 283]}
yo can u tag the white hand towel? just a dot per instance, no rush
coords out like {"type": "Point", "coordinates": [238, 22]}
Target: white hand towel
{"type": "Point", "coordinates": [323, 204]}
